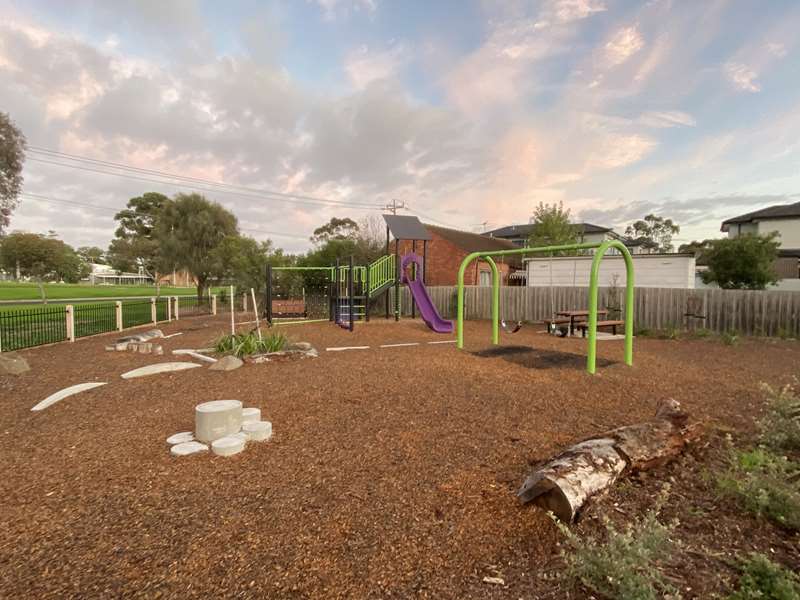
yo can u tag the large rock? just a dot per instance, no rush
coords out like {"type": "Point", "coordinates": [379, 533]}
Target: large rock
{"type": "Point", "coordinates": [226, 363]}
{"type": "Point", "coordinates": [304, 346]}
{"type": "Point", "coordinates": [12, 363]}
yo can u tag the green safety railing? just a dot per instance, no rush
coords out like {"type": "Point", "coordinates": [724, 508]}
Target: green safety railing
{"type": "Point", "coordinates": [601, 247]}
{"type": "Point", "coordinates": [381, 272]}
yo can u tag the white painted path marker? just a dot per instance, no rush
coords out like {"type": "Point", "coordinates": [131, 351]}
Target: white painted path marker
{"type": "Point", "coordinates": [340, 348]}
{"type": "Point", "coordinates": [60, 395]}
{"type": "Point", "coordinates": [399, 345]}
{"type": "Point", "coordinates": [444, 342]}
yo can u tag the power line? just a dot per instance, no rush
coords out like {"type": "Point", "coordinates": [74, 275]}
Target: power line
{"type": "Point", "coordinates": [200, 180]}
{"type": "Point", "coordinates": [41, 198]}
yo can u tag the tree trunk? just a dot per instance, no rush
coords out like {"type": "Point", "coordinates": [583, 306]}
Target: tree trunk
{"type": "Point", "coordinates": [201, 286]}
{"type": "Point", "coordinates": [564, 484]}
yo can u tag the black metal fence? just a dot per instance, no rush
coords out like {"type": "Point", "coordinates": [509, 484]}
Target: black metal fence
{"type": "Point", "coordinates": [136, 313]}
{"type": "Point", "coordinates": [91, 319]}
{"type": "Point", "coordinates": [23, 328]}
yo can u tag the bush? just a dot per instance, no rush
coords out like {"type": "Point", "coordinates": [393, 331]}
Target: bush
{"type": "Point", "coordinates": [763, 579]}
{"type": "Point", "coordinates": [247, 344]}
{"type": "Point", "coordinates": [625, 566]}
{"type": "Point", "coordinates": [780, 425]}
{"type": "Point", "coordinates": [730, 338]}
{"type": "Point", "coordinates": [761, 483]}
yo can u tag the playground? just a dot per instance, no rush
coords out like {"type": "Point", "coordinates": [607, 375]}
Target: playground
{"type": "Point", "coordinates": [398, 446]}
{"type": "Point", "coordinates": [393, 470]}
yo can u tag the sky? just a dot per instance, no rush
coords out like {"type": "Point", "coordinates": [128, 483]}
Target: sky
{"type": "Point", "coordinates": [469, 112]}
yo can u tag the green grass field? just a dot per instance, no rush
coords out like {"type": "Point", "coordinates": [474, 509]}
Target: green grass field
{"type": "Point", "coordinates": [60, 291]}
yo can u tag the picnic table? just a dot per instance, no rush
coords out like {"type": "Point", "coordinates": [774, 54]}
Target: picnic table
{"type": "Point", "coordinates": [578, 315]}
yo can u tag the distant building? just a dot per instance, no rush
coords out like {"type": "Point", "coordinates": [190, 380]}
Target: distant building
{"type": "Point", "coordinates": [588, 233]}
{"type": "Point", "coordinates": [107, 275]}
{"type": "Point", "coordinates": [783, 219]}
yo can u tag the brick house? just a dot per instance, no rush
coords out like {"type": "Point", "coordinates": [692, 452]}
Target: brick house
{"type": "Point", "coordinates": [448, 247]}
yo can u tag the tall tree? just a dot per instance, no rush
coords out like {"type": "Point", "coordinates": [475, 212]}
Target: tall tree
{"type": "Point", "coordinates": [134, 246]}
{"type": "Point", "coordinates": [699, 249]}
{"type": "Point", "coordinates": [188, 230]}
{"type": "Point", "coordinates": [656, 232]}
{"type": "Point", "coordinates": [744, 262]}
{"type": "Point", "coordinates": [12, 158]}
{"type": "Point", "coordinates": [242, 261]}
{"type": "Point", "coordinates": [92, 254]}
{"type": "Point", "coordinates": [552, 226]}
{"type": "Point", "coordinates": [41, 257]}
{"type": "Point", "coordinates": [335, 229]}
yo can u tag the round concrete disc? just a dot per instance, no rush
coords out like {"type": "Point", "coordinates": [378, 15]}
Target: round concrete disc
{"type": "Point", "coordinates": [216, 419]}
{"type": "Point", "coordinates": [187, 448]}
{"type": "Point", "coordinates": [259, 431]}
{"type": "Point", "coordinates": [241, 435]}
{"type": "Point", "coordinates": [180, 438]}
{"type": "Point", "coordinates": [227, 446]}
{"type": "Point", "coordinates": [251, 415]}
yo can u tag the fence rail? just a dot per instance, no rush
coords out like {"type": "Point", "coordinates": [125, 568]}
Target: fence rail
{"type": "Point", "coordinates": [771, 313]}
{"type": "Point", "coordinates": [22, 327]}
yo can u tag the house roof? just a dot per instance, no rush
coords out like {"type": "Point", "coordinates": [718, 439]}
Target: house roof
{"type": "Point", "coordinates": [404, 227]}
{"type": "Point", "coordinates": [513, 231]}
{"type": "Point", "coordinates": [475, 242]}
{"type": "Point", "coordinates": [779, 211]}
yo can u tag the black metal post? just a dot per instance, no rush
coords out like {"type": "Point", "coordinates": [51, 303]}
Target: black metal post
{"type": "Point", "coordinates": [336, 295]}
{"type": "Point", "coordinates": [414, 275]}
{"type": "Point", "coordinates": [350, 291]}
{"type": "Point", "coordinates": [424, 261]}
{"type": "Point", "coordinates": [268, 296]}
{"type": "Point", "coordinates": [387, 254]}
{"type": "Point", "coordinates": [397, 280]}
{"type": "Point", "coordinates": [365, 292]}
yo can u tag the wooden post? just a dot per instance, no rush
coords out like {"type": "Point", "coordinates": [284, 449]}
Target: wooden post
{"type": "Point", "coordinates": [255, 312]}
{"type": "Point", "coordinates": [214, 304]}
{"type": "Point", "coordinates": [244, 301]}
{"type": "Point", "coordinates": [153, 311]}
{"type": "Point", "coordinates": [118, 311]}
{"type": "Point", "coordinates": [169, 310]}
{"type": "Point", "coordinates": [70, 316]}
{"type": "Point", "coordinates": [177, 309]}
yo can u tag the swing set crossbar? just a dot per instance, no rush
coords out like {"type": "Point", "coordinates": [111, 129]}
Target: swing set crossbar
{"type": "Point", "coordinates": [601, 249]}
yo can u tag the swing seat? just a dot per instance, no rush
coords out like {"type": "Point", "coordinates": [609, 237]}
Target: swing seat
{"type": "Point", "coordinates": [511, 329]}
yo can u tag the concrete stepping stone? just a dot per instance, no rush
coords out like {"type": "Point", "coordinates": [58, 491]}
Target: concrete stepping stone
{"type": "Point", "coordinates": [228, 445]}
{"type": "Point", "coordinates": [216, 419]}
{"type": "Point", "coordinates": [180, 438]}
{"type": "Point", "coordinates": [65, 393]}
{"type": "Point", "coordinates": [251, 415]}
{"type": "Point", "coordinates": [241, 435]}
{"type": "Point", "coordinates": [260, 431]}
{"type": "Point", "coordinates": [187, 448]}
{"type": "Point", "coordinates": [159, 368]}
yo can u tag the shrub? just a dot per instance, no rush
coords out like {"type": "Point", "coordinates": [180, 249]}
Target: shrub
{"type": "Point", "coordinates": [765, 580]}
{"type": "Point", "coordinates": [625, 566]}
{"type": "Point", "coordinates": [247, 344]}
{"type": "Point", "coordinates": [761, 483]}
{"type": "Point", "coordinates": [780, 425]}
{"type": "Point", "coordinates": [730, 338]}
{"type": "Point", "coordinates": [702, 332]}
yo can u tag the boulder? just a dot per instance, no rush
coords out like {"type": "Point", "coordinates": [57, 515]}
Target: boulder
{"type": "Point", "coordinates": [304, 346]}
{"type": "Point", "coordinates": [12, 363]}
{"type": "Point", "coordinates": [227, 363]}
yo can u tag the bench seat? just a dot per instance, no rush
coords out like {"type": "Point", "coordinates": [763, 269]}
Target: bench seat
{"type": "Point", "coordinates": [600, 324]}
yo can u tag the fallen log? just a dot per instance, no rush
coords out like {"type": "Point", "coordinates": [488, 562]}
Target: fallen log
{"type": "Point", "coordinates": [564, 484]}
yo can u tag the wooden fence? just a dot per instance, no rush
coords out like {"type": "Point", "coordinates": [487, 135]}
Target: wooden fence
{"type": "Point", "coordinates": [770, 313]}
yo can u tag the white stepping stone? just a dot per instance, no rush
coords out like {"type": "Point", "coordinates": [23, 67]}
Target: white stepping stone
{"type": "Point", "coordinates": [251, 415]}
{"type": "Point", "coordinates": [258, 432]}
{"type": "Point", "coordinates": [60, 395]}
{"type": "Point", "coordinates": [216, 419]}
{"type": "Point", "coordinates": [241, 435]}
{"type": "Point", "coordinates": [228, 445]}
{"type": "Point", "coordinates": [166, 367]}
{"type": "Point", "coordinates": [197, 355]}
{"type": "Point", "coordinates": [180, 438]}
{"type": "Point", "coordinates": [187, 448]}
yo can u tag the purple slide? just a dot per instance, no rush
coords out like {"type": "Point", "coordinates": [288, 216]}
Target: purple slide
{"type": "Point", "coordinates": [425, 305]}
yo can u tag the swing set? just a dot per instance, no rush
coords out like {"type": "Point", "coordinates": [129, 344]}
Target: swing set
{"type": "Point", "coordinates": [591, 327]}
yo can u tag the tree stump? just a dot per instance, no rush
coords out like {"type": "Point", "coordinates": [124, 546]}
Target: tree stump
{"type": "Point", "coordinates": [565, 483]}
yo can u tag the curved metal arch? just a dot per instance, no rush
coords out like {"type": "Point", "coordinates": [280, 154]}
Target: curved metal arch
{"type": "Point", "coordinates": [602, 248]}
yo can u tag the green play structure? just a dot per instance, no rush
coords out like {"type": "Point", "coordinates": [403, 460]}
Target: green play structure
{"type": "Point", "coordinates": [601, 247]}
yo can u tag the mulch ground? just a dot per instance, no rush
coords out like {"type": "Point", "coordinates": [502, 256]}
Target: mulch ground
{"type": "Point", "coordinates": [392, 472]}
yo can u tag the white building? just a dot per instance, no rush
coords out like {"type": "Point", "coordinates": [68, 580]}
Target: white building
{"type": "Point", "coordinates": [784, 219]}
{"type": "Point", "coordinates": [650, 270]}
{"type": "Point", "coordinates": [104, 274]}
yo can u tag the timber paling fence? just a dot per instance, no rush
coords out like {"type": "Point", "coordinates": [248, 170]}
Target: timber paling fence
{"type": "Point", "coordinates": [770, 313]}
{"type": "Point", "coordinates": [26, 327]}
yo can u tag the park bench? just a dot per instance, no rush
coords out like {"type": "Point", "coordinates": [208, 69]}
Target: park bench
{"type": "Point", "coordinates": [583, 327]}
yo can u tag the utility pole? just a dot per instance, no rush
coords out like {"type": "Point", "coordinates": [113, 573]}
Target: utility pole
{"type": "Point", "coordinates": [394, 206]}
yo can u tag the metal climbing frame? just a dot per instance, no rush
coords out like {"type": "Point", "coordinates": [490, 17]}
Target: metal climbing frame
{"type": "Point", "coordinates": [602, 247]}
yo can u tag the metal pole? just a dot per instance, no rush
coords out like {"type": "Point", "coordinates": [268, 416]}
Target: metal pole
{"type": "Point", "coordinates": [233, 320]}
{"type": "Point", "coordinates": [414, 275]}
{"type": "Point", "coordinates": [387, 254]}
{"type": "Point", "coordinates": [366, 296]}
{"type": "Point", "coordinates": [351, 290]}
{"type": "Point", "coordinates": [397, 280]}
{"type": "Point", "coordinates": [268, 296]}
{"type": "Point", "coordinates": [255, 312]}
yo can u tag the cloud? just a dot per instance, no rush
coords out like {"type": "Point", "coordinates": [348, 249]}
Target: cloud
{"type": "Point", "coordinates": [623, 44]}
{"type": "Point", "coordinates": [776, 49]}
{"type": "Point", "coordinates": [667, 118]}
{"type": "Point", "coordinates": [364, 66]}
{"type": "Point", "coordinates": [334, 9]}
{"type": "Point", "coordinates": [742, 77]}
{"type": "Point", "coordinates": [565, 11]}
